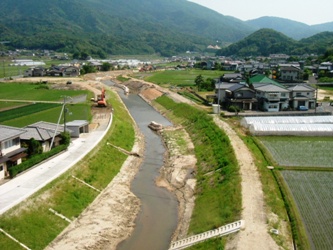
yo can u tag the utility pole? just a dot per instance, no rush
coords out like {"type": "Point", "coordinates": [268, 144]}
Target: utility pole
{"type": "Point", "coordinates": [316, 99]}
{"type": "Point", "coordinates": [65, 111]}
{"type": "Point", "coordinates": [4, 69]}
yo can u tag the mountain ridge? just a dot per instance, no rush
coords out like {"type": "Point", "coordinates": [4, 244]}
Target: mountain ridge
{"type": "Point", "coordinates": [101, 27]}
{"type": "Point", "coordinates": [294, 29]}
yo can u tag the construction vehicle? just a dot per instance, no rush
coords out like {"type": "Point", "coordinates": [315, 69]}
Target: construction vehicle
{"type": "Point", "coordinates": [101, 101]}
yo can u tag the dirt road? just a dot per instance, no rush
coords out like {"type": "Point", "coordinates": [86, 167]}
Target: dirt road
{"type": "Point", "coordinates": [255, 234]}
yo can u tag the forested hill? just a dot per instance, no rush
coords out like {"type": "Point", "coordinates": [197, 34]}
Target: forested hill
{"type": "Point", "coordinates": [268, 41]}
{"type": "Point", "coordinates": [116, 27]}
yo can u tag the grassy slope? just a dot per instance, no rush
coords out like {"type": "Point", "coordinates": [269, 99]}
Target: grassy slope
{"type": "Point", "coordinates": [218, 188]}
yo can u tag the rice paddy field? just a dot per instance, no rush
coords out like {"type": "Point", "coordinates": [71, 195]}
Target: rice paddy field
{"type": "Point", "coordinates": [313, 194]}
{"type": "Point", "coordinates": [300, 151]}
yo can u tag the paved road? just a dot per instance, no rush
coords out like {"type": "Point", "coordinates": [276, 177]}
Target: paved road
{"type": "Point", "coordinates": [24, 185]}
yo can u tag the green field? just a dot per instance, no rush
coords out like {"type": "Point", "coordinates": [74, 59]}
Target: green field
{"type": "Point", "coordinates": [74, 112]}
{"type": "Point", "coordinates": [300, 151]}
{"type": "Point", "coordinates": [25, 111]}
{"type": "Point", "coordinates": [181, 77]}
{"type": "Point", "coordinates": [313, 195]}
{"type": "Point", "coordinates": [35, 92]}
{"type": "Point", "coordinates": [10, 105]}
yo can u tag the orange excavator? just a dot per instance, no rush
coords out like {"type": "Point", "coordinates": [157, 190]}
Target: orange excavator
{"type": "Point", "coordinates": [101, 102]}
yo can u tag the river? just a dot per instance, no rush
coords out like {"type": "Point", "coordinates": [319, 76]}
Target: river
{"type": "Point", "coordinates": [157, 219]}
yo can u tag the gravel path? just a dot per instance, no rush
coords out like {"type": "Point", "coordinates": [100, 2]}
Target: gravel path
{"type": "Point", "coordinates": [255, 234]}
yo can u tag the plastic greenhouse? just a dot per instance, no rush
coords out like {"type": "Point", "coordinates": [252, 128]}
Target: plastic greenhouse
{"type": "Point", "coordinates": [247, 121]}
{"type": "Point", "coordinates": [290, 125]}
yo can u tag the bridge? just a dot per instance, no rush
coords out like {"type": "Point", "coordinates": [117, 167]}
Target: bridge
{"type": "Point", "coordinates": [219, 232]}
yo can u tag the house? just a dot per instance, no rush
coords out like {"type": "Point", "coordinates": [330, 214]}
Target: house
{"type": "Point", "coordinates": [302, 95]}
{"type": "Point", "coordinates": [291, 73]}
{"type": "Point", "coordinates": [235, 94]}
{"type": "Point", "coordinates": [241, 96]}
{"type": "Point", "coordinates": [36, 71]}
{"type": "Point", "coordinates": [41, 134]}
{"type": "Point", "coordinates": [271, 97]}
{"type": "Point", "coordinates": [71, 71]}
{"type": "Point", "coordinates": [11, 152]}
{"type": "Point", "coordinates": [232, 77]}
{"type": "Point", "coordinates": [68, 71]}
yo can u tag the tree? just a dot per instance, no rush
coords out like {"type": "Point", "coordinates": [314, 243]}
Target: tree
{"type": "Point", "coordinates": [65, 138]}
{"type": "Point", "coordinates": [87, 69]}
{"type": "Point", "coordinates": [199, 82]}
{"type": "Point", "coordinates": [106, 66]}
{"type": "Point", "coordinates": [209, 84]}
{"type": "Point", "coordinates": [34, 147]}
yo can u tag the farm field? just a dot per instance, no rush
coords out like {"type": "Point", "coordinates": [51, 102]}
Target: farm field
{"type": "Point", "coordinates": [25, 110]}
{"type": "Point", "coordinates": [300, 151]}
{"type": "Point", "coordinates": [35, 92]}
{"type": "Point", "coordinates": [9, 105]}
{"type": "Point", "coordinates": [181, 77]}
{"type": "Point", "coordinates": [312, 192]}
{"type": "Point", "coordinates": [74, 112]}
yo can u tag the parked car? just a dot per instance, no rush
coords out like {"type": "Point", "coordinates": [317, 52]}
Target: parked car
{"type": "Point", "coordinates": [302, 108]}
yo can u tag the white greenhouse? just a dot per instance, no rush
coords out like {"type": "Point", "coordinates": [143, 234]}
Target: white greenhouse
{"type": "Point", "coordinates": [290, 125]}
{"type": "Point", "coordinates": [247, 121]}
{"type": "Point", "coordinates": [313, 129]}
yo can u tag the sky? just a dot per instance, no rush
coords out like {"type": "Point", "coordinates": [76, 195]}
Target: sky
{"type": "Point", "coordinates": [304, 11]}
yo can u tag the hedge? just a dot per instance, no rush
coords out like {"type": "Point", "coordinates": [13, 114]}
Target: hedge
{"type": "Point", "coordinates": [14, 170]}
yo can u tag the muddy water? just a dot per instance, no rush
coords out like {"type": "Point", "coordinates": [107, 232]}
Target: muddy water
{"type": "Point", "coordinates": [158, 217]}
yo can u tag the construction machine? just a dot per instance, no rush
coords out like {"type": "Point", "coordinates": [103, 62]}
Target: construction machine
{"type": "Point", "coordinates": [101, 101]}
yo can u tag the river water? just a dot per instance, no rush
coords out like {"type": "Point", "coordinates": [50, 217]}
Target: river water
{"type": "Point", "coordinates": [157, 219]}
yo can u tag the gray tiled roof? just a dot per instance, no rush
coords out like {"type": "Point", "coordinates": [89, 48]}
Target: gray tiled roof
{"type": "Point", "coordinates": [7, 132]}
{"type": "Point", "coordinates": [39, 134]}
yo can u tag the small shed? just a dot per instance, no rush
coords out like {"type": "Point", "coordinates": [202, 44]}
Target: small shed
{"type": "Point", "coordinates": [78, 127]}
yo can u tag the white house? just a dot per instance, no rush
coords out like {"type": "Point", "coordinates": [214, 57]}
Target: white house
{"type": "Point", "coordinates": [11, 152]}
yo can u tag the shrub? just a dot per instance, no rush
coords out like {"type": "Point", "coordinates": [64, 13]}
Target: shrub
{"type": "Point", "coordinates": [14, 170]}
{"type": "Point", "coordinates": [233, 108]}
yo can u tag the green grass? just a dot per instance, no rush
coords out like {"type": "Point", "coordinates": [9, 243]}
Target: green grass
{"type": "Point", "coordinates": [218, 192]}
{"type": "Point", "coordinates": [34, 92]}
{"type": "Point", "coordinates": [180, 77]}
{"type": "Point", "coordinates": [300, 151]}
{"type": "Point", "coordinates": [33, 224]}
{"type": "Point", "coordinates": [312, 192]}
{"type": "Point", "coordinates": [75, 112]}
{"type": "Point", "coordinates": [25, 111]}
{"type": "Point", "coordinates": [10, 105]}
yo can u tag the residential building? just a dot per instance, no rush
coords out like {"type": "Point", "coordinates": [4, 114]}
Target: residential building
{"type": "Point", "coordinates": [302, 95]}
{"type": "Point", "coordinates": [235, 94]}
{"type": "Point", "coordinates": [241, 96]}
{"type": "Point", "coordinates": [290, 73]}
{"type": "Point", "coordinates": [11, 152]}
{"type": "Point", "coordinates": [43, 134]}
{"type": "Point", "coordinates": [271, 97]}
